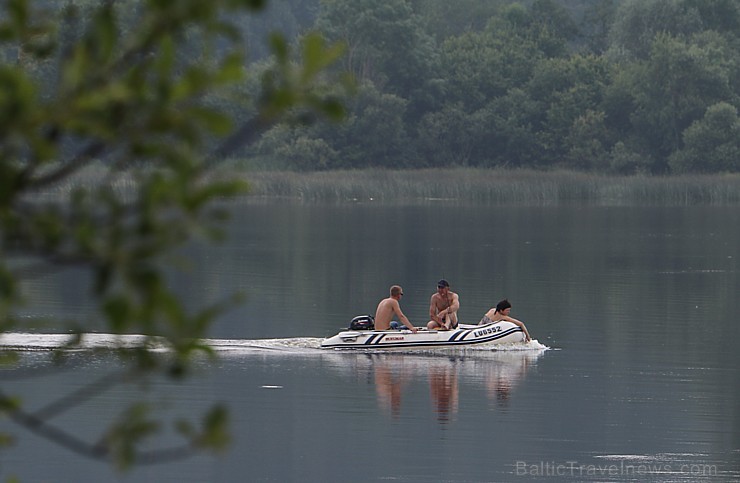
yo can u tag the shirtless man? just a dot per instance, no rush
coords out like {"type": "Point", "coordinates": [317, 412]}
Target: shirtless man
{"type": "Point", "coordinates": [388, 307]}
{"type": "Point", "coordinates": [443, 308]}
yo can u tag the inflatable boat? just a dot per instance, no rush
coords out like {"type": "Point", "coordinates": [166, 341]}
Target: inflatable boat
{"type": "Point", "coordinates": [502, 332]}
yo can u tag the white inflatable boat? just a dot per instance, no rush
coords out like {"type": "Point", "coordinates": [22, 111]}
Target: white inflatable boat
{"type": "Point", "coordinates": [502, 332]}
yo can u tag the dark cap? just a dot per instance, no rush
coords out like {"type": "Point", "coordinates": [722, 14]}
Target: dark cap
{"type": "Point", "coordinates": [443, 283]}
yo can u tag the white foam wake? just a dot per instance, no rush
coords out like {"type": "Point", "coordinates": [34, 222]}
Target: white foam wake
{"type": "Point", "coordinates": [90, 341]}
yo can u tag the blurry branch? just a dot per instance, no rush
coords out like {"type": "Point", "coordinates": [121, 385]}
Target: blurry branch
{"type": "Point", "coordinates": [82, 395]}
{"type": "Point", "coordinates": [119, 442]}
{"type": "Point", "coordinates": [47, 431]}
{"type": "Point", "coordinates": [140, 98]}
{"type": "Point", "coordinates": [246, 134]}
{"type": "Point", "coordinates": [66, 169]}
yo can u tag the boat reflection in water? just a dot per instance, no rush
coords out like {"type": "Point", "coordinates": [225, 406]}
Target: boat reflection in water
{"type": "Point", "coordinates": [443, 386]}
{"type": "Point", "coordinates": [394, 376]}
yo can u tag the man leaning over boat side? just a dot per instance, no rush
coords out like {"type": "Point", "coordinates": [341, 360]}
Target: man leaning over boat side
{"type": "Point", "coordinates": [388, 307]}
{"type": "Point", "coordinates": [501, 312]}
{"type": "Point", "coordinates": [443, 308]}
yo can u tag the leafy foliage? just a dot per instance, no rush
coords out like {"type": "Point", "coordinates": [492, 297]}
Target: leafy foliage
{"type": "Point", "coordinates": [609, 85]}
{"type": "Point", "coordinates": [121, 90]}
{"type": "Point", "coordinates": [712, 143]}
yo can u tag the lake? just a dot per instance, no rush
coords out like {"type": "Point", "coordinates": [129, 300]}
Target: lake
{"type": "Point", "coordinates": [634, 376]}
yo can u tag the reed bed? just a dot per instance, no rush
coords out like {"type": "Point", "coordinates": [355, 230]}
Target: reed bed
{"type": "Point", "coordinates": [497, 186]}
{"type": "Point", "coordinates": [465, 185]}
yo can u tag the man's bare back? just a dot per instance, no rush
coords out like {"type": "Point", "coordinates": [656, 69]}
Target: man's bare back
{"type": "Point", "coordinates": [389, 306]}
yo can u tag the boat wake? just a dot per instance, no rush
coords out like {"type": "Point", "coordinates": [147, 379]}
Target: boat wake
{"type": "Point", "coordinates": [300, 345]}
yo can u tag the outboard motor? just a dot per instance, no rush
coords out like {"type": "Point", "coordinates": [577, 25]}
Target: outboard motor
{"type": "Point", "coordinates": [362, 322]}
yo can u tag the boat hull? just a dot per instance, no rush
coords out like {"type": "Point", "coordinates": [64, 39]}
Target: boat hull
{"type": "Point", "coordinates": [502, 332]}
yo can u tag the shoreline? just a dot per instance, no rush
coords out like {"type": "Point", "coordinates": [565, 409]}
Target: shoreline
{"type": "Point", "coordinates": [457, 185]}
{"type": "Point", "coordinates": [495, 186]}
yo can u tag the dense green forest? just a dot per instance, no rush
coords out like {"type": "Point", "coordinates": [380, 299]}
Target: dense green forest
{"type": "Point", "coordinates": [604, 86]}
{"type": "Point", "coordinates": [608, 86]}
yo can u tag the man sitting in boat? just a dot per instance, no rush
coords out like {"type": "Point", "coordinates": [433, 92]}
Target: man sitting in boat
{"type": "Point", "coordinates": [443, 308]}
{"type": "Point", "coordinates": [388, 307]}
{"type": "Point", "coordinates": [501, 312]}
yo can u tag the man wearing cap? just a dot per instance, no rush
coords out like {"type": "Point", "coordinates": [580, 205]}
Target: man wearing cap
{"type": "Point", "coordinates": [443, 308]}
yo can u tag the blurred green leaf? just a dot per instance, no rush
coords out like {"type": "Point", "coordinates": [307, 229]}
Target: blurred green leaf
{"type": "Point", "coordinates": [119, 312]}
{"type": "Point", "coordinates": [104, 35]}
{"type": "Point", "coordinates": [8, 358]}
{"type": "Point", "coordinates": [113, 114]}
{"type": "Point", "coordinates": [7, 440]}
{"type": "Point", "coordinates": [215, 434]}
{"type": "Point", "coordinates": [133, 427]}
{"type": "Point", "coordinates": [9, 404]}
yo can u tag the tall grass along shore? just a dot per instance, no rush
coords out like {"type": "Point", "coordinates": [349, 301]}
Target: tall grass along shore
{"type": "Point", "coordinates": [492, 186]}
{"type": "Point", "coordinates": [497, 186]}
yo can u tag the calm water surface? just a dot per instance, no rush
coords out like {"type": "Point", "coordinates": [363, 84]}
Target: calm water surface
{"type": "Point", "coordinates": [638, 307]}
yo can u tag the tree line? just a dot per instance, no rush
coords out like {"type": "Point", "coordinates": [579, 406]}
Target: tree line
{"type": "Point", "coordinates": [609, 86]}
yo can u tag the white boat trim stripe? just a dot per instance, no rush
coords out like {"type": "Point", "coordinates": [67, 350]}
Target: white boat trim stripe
{"type": "Point", "coordinates": [375, 339]}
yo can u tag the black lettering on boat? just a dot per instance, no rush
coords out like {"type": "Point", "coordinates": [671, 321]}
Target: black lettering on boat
{"type": "Point", "coordinates": [487, 331]}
